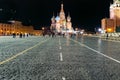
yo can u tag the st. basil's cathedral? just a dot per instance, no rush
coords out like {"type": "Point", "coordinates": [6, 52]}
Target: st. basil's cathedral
{"type": "Point", "coordinates": [61, 23]}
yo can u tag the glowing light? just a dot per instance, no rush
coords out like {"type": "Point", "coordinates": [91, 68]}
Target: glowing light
{"type": "Point", "coordinates": [43, 28]}
{"type": "Point", "coordinates": [109, 30]}
{"type": "Point", "coordinates": [99, 29]}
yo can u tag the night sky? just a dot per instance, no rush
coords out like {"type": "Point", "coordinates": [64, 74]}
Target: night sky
{"type": "Point", "coordinates": [85, 14]}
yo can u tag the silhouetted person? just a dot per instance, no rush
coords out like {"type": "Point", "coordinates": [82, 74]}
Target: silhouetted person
{"type": "Point", "coordinates": [20, 35]}
{"type": "Point", "coordinates": [23, 35]}
{"type": "Point", "coordinates": [63, 34]}
{"type": "Point", "coordinates": [107, 36]}
{"type": "Point", "coordinates": [53, 34]}
{"type": "Point", "coordinates": [27, 35]}
{"type": "Point", "coordinates": [14, 35]}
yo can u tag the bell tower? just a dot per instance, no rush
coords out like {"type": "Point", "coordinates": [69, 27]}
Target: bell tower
{"type": "Point", "coordinates": [115, 12]}
{"type": "Point", "coordinates": [115, 9]}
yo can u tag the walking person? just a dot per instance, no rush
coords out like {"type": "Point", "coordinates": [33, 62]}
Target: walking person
{"type": "Point", "coordinates": [107, 36]}
{"type": "Point", "coordinates": [14, 35]}
{"type": "Point", "coordinates": [20, 35]}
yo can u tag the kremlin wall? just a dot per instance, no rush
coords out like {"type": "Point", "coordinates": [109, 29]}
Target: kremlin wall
{"type": "Point", "coordinates": [112, 24]}
{"type": "Point", "coordinates": [17, 28]}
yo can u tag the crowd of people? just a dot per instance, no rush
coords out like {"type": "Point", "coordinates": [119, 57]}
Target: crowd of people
{"type": "Point", "coordinates": [20, 35]}
{"type": "Point", "coordinates": [54, 34]}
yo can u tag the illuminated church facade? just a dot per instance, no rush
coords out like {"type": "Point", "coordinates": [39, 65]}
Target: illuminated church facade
{"type": "Point", "coordinates": [111, 24]}
{"type": "Point", "coordinates": [61, 23]}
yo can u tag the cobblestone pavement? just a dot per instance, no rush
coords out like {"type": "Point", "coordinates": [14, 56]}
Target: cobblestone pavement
{"type": "Point", "coordinates": [59, 58]}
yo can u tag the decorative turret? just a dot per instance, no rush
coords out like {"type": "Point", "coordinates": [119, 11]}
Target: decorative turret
{"type": "Point", "coordinates": [57, 18]}
{"type": "Point", "coordinates": [53, 23]}
{"type": "Point", "coordinates": [68, 18]}
{"type": "Point", "coordinates": [53, 18]}
{"type": "Point", "coordinates": [115, 9]}
{"type": "Point", "coordinates": [116, 3]}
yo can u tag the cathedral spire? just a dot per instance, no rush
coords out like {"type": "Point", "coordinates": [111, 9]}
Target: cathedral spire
{"type": "Point", "coordinates": [68, 15]}
{"type": "Point", "coordinates": [62, 10]}
{"type": "Point", "coordinates": [62, 14]}
{"type": "Point", "coordinates": [53, 16]}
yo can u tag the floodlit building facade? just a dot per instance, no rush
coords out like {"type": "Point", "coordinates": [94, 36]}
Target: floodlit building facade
{"type": "Point", "coordinates": [17, 28]}
{"type": "Point", "coordinates": [110, 24]}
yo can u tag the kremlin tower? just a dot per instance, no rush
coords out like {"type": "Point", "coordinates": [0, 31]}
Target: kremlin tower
{"type": "Point", "coordinates": [60, 23]}
{"type": "Point", "coordinates": [115, 12]}
{"type": "Point", "coordinates": [111, 24]}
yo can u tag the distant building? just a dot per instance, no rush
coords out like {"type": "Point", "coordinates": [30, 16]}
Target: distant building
{"type": "Point", "coordinates": [61, 23]}
{"type": "Point", "coordinates": [17, 28]}
{"type": "Point", "coordinates": [110, 24]}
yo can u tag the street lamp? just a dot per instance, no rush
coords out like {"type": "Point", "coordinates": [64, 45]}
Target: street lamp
{"type": "Point", "coordinates": [43, 28]}
{"type": "Point", "coordinates": [109, 30]}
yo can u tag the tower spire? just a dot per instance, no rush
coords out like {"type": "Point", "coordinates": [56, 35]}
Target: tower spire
{"type": "Point", "coordinates": [62, 10]}
{"type": "Point", "coordinates": [68, 17]}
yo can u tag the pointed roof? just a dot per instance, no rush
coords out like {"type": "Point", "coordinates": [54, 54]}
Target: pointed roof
{"type": "Point", "coordinates": [68, 17]}
{"type": "Point", "coordinates": [53, 17]}
{"type": "Point", "coordinates": [69, 14]}
{"type": "Point", "coordinates": [62, 9]}
{"type": "Point", "coordinates": [57, 18]}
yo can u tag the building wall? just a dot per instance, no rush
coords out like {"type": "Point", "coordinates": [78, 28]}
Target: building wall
{"type": "Point", "coordinates": [103, 24]}
{"type": "Point", "coordinates": [17, 28]}
{"type": "Point", "coordinates": [108, 25]}
{"type": "Point", "coordinates": [111, 23]}
{"type": "Point", "coordinates": [37, 32]}
{"type": "Point", "coordinates": [115, 13]}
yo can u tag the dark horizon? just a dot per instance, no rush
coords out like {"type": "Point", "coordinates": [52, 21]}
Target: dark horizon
{"type": "Point", "coordinates": [84, 13]}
